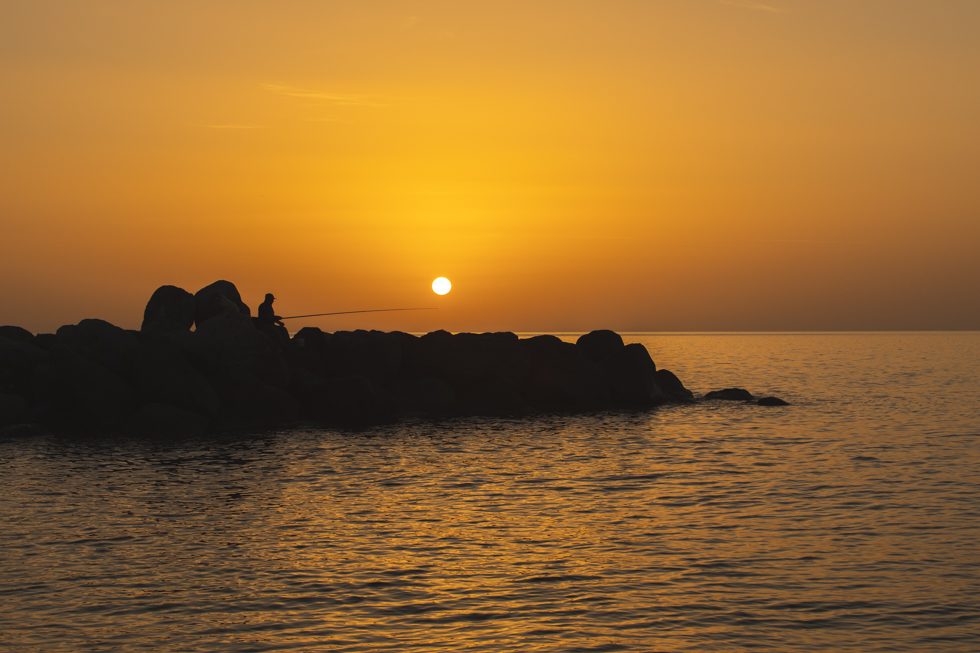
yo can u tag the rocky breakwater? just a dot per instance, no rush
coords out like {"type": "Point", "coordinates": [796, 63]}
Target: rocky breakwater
{"type": "Point", "coordinates": [199, 363]}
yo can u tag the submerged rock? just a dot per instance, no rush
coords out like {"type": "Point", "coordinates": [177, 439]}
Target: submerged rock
{"type": "Point", "coordinates": [672, 387]}
{"type": "Point", "coordinates": [730, 394]}
{"type": "Point", "coordinates": [772, 401]}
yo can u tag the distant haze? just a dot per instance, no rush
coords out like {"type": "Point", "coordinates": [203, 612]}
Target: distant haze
{"type": "Point", "coordinates": [656, 165]}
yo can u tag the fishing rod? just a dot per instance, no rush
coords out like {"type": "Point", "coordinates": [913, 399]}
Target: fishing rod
{"type": "Point", "coordinates": [373, 310]}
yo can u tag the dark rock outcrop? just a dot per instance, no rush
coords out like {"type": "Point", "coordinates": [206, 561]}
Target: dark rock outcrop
{"type": "Point", "coordinates": [632, 377]}
{"type": "Point", "coordinates": [85, 394]}
{"type": "Point", "coordinates": [561, 376]}
{"type": "Point", "coordinates": [14, 409]}
{"type": "Point", "coordinates": [101, 343]}
{"type": "Point", "coordinates": [672, 387]}
{"type": "Point", "coordinates": [730, 394]}
{"type": "Point", "coordinates": [208, 301]}
{"type": "Point", "coordinates": [372, 354]}
{"type": "Point", "coordinates": [170, 309]}
{"type": "Point", "coordinates": [422, 396]}
{"type": "Point", "coordinates": [772, 401]}
{"type": "Point", "coordinates": [164, 420]}
{"type": "Point", "coordinates": [162, 374]}
{"type": "Point", "coordinates": [18, 362]}
{"type": "Point", "coordinates": [17, 334]}
{"type": "Point", "coordinates": [599, 344]}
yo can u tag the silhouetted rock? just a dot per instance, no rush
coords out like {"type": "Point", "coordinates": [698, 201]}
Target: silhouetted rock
{"type": "Point", "coordinates": [207, 301]}
{"type": "Point", "coordinates": [561, 376]}
{"type": "Point", "coordinates": [599, 344]}
{"type": "Point", "coordinates": [464, 359]}
{"type": "Point", "coordinates": [17, 334]}
{"type": "Point", "coordinates": [14, 409]}
{"type": "Point", "coordinates": [85, 394]}
{"type": "Point", "coordinates": [772, 401]}
{"type": "Point", "coordinates": [102, 343]}
{"type": "Point", "coordinates": [672, 387]}
{"type": "Point", "coordinates": [632, 377]}
{"type": "Point", "coordinates": [164, 420]}
{"type": "Point", "coordinates": [375, 355]}
{"type": "Point", "coordinates": [18, 362]}
{"type": "Point", "coordinates": [349, 401]}
{"type": "Point", "coordinates": [46, 341]}
{"type": "Point", "coordinates": [170, 309]}
{"type": "Point", "coordinates": [730, 394]}
{"type": "Point", "coordinates": [247, 402]}
{"type": "Point", "coordinates": [494, 396]}
{"type": "Point", "coordinates": [229, 342]}
{"type": "Point", "coordinates": [422, 396]}
{"type": "Point", "coordinates": [163, 375]}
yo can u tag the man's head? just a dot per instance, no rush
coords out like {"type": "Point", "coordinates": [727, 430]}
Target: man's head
{"type": "Point", "coordinates": [269, 298]}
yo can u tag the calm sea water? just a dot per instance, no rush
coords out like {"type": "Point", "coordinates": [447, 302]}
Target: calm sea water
{"type": "Point", "coordinates": [849, 521]}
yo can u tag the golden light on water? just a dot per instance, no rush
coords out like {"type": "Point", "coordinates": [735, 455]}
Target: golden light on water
{"type": "Point", "coordinates": [441, 286]}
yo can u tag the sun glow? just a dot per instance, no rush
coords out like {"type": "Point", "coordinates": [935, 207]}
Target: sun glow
{"type": "Point", "coordinates": [441, 286]}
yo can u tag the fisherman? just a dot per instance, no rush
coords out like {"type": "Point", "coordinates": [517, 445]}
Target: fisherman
{"type": "Point", "coordinates": [271, 323]}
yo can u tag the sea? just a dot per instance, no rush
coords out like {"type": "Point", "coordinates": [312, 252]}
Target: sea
{"type": "Point", "coordinates": [847, 521]}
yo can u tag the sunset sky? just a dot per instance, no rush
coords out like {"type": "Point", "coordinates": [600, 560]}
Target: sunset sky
{"type": "Point", "coordinates": [646, 165]}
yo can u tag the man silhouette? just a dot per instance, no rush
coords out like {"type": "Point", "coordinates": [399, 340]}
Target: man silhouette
{"type": "Point", "coordinates": [271, 323]}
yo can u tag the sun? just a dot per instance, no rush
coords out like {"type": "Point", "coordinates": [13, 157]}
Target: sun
{"type": "Point", "coordinates": [441, 286]}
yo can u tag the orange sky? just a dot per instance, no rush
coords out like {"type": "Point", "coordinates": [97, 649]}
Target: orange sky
{"type": "Point", "coordinates": [650, 165]}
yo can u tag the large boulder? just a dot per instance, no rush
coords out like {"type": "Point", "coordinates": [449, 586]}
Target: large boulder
{"type": "Point", "coordinates": [207, 301]}
{"type": "Point", "coordinates": [372, 354]}
{"type": "Point", "coordinates": [632, 377]}
{"type": "Point", "coordinates": [162, 374]}
{"type": "Point", "coordinates": [86, 395]}
{"type": "Point", "coordinates": [599, 344]}
{"type": "Point", "coordinates": [228, 342]}
{"type": "Point", "coordinates": [170, 309]}
{"type": "Point", "coordinates": [772, 401]}
{"type": "Point", "coordinates": [672, 387]}
{"type": "Point", "coordinates": [164, 420]}
{"type": "Point", "coordinates": [17, 334]}
{"type": "Point", "coordinates": [561, 376]}
{"type": "Point", "coordinates": [422, 396]}
{"type": "Point", "coordinates": [102, 343]}
{"type": "Point", "coordinates": [493, 396]}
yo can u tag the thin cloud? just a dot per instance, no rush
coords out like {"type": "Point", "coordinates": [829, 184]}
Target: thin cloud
{"type": "Point", "coordinates": [231, 126]}
{"type": "Point", "coordinates": [338, 99]}
{"type": "Point", "coordinates": [748, 4]}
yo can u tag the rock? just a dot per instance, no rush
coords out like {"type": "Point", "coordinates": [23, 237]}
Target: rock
{"type": "Point", "coordinates": [84, 394]}
{"type": "Point", "coordinates": [373, 354]}
{"type": "Point", "coordinates": [561, 376]}
{"type": "Point", "coordinates": [730, 394]}
{"type": "Point", "coordinates": [164, 420]}
{"type": "Point", "coordinates": [17, 334]}
{"type": "Point", "coordinates": [464, 359]}
{"type": "Point", "coordinates": [422, 396]}
{"type": "Point", "coordinates": [102, 343]}
{"type": "Point", "coordinates": [163, 375]}
{"type": "Point", "coordinates": [248, 403]}
{"type": "Point", "coordinates": [46, 341]}
{"type": "Point", "coordinates": [14, 409]}
{"type": "Point", "coordinates": [772, 401]}
{"type": "Point", "coordinates": [494, 396]}
{"type": "Point", "coordinates": [207, 302]}
{"type": "Point", "coordinates": [17, 364]}
{"type": "Point", "coordinates": [20, 430]}
{"type": "Point", "coordinates": [170, 309]}
{"type": "Point", "coordinates": [672, 387]}
{"type": "Point", "coordinates": [599, 344]}
{"type": "Point", "coordinates": [632, 377]}
{"type": "Point", "coordinates": [350, 401]}
{"type": "Point", "coordinates": [308, 350]}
